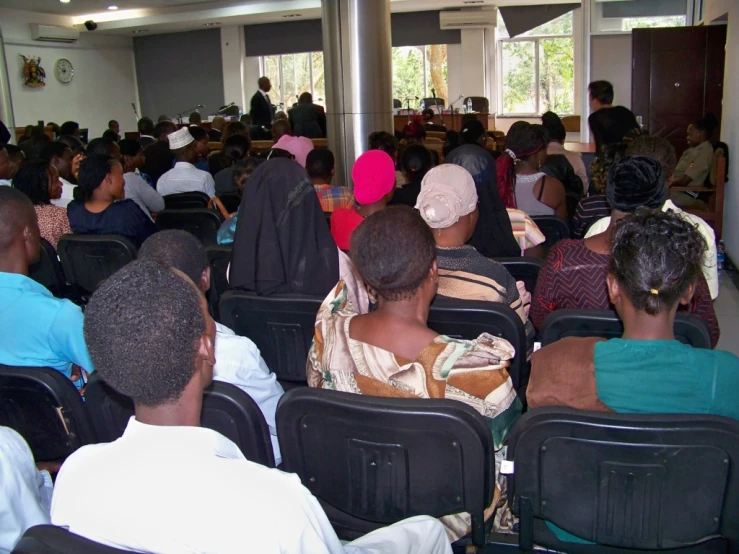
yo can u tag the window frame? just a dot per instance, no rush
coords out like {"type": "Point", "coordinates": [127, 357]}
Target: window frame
{"type": "Point", "coordinates": [282, 104]}
{"type": "Point", "coordinates": [535, 39]}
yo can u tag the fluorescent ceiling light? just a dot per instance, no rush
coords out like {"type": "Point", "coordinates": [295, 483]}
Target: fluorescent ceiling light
{"type": "Point", "coordinates": [114, 7]}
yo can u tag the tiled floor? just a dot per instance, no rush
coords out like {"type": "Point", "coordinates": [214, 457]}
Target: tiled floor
{"type": "Point", "coordinates": [727, 310]}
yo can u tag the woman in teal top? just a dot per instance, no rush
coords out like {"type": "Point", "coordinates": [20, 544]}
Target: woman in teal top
{"type": "Point", "coordinates": [655, 262]}
{"type": "Point", "coordinates": [241, 172]}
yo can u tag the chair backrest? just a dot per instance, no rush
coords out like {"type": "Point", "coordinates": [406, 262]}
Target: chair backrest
{"type": "Point", "coordinates": [559, 324]}
{"type": "Point", "coordinates": [186, 200]}
{"type": "Point", "coordinates": [523, 269]}
{"type": "Point", "coordinates": [226, 409]}
{"type": "Point", "coordinates": [219, 257]}
{"type": "Point", "coordinates": [48, 271]}
{"type": "Point", "coordinates": [397, 104]}
{"type": "Point", "coordinates": [214, 146]}
{"type": "Point", "coordinates": [468, 319]}
{"type": "Point", "coordinates": [479, 103]}
{"type": "Point", "coordinates": [436, 135]}
{"type": "Point", "coordinates": [89, 259]}
{"type": "Point", "coordinates": [261, 145]}
{"type": "Point", "coordinates": [571, 123]}
{"type": "Point", "coordinates": [429, 102]}
{"type": "Point", "coordinates": [44, 407]}
{"type": "Point", "coordinates": [627, 481]}
{"type": "Point", "coordinates": [201, 222]}
{"type": "Point", "coordinates": [48, 539]}
{"type": "Point", "coordinates": [282, 327]}
{"type": "Point", "coordinates": [373, 461]}
{"type": "Point", "coordinates": [320, 143]}
{"type": "Point", "coordinates": [554, 229]}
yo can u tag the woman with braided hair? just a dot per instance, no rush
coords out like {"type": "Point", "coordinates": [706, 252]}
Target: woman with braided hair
{"type": "Point", "coordinates": [521, 183]}
{"type": "Point", "coordinates": [655, 265]}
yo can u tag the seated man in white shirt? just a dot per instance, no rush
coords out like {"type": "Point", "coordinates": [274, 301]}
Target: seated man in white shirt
{"type": "Point", "coordinates": [661, 150]}
{"type": "Point", "coordinates": [237, 358]}
{"type": "Point", "coordinates": [169, 485]}
{"type": "Point", "coordinates": [184, 176]}
{"type": "Point", "coordinates": [25, 492]}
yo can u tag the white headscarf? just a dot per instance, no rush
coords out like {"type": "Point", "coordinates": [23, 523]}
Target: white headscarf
{"type": "Point", "coordinates": [447, 193]}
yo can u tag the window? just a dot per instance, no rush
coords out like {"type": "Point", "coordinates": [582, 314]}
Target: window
{"type": "Point", "coordinates": [420, 72]}
{"type": "Point", "coordinates": [625, 15]}
{"type": "Point", "coordinates": [537, 69]}
{"type": "Point", "coordinates": [292, 75]}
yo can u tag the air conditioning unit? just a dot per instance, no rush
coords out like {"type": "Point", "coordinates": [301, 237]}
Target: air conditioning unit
{"type": "Point", "coordinates": [54, 33]}
{"type": "Point", "coordinates": [467, 19]}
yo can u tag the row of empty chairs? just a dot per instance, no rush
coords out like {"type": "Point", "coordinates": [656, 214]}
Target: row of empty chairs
{"type": "Point", "coordinates": [625, 482]}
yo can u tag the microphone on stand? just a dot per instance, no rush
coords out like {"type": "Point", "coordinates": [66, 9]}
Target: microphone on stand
{"type": "Point", "coordinates": [133, 105]}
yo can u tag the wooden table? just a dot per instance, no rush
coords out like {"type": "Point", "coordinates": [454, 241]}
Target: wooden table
{"type": "Point", "coordinates": [453, 122]}
{"type": "Point", "coordinates": [581, 147]}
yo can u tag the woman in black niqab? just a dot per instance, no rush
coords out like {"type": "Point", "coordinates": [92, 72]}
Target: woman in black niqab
{"type": "Point", "coordinates": [282, 243]}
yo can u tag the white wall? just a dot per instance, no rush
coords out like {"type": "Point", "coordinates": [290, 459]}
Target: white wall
{"type": "Point", "coordinates": [232, 58]}
{"type": "Point", "coordinates": [730, 133]}
{"type": "Point", "coordinates": [103, 87]}
{"type": "Point", "coordinates": [251, 76]}
{"type": "Point", "coordinates": [454, 62]}
{"type": "Point", "coordinates": [610, 60]}
{"type": "Point", "coordinates": [473, 62]}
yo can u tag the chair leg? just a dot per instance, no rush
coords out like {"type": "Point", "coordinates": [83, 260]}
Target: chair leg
{"type": "Point", "coordinates": [478, 530]}
{"type": "Point", "coordinates": [526, 525]}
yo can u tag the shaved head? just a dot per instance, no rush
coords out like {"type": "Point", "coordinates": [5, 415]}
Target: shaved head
{"type": "Point", "coordinates": [16, 213]}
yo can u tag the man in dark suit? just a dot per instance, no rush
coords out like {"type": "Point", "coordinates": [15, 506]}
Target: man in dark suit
{"type": "Point", "coordinates": [261, 111]}
{"type": "Point", "coordinates": [216, 129]}
{"type": "Point", "coordinates": [307, 119]}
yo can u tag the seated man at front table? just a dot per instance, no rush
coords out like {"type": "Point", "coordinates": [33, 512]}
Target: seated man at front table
{"type": "Point", "coordinates": [184, 176]}
{"type": "Point", "coordinates": [37, 329]}
{"type": "Point", "coordinates": [238, 360]}
{"type": "Point", "coordinates": [694, 166]}
{"type": "Point", "coordinates": [428, 121]}
{"type": "Point", "coordinates": [179, 487]}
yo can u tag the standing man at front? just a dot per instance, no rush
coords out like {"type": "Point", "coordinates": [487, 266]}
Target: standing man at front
{"type": "Point", "coordinates": [261, 111]}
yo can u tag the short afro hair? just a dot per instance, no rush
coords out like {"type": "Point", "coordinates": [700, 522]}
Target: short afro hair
{"type": "Point", "coordinates": [142, 328]}
{"type": "Point", "coordinates": [655, 257]}
{"type": "Point", "coordinates": [320, 163]}
{"type": "Point", "coordinates": [178, 249]}
{"type": "Point", "coordinates": [602, 91]}
{"type": "Point", "coordinates": [382, 140]}
{"type": "Point", "coordinates": [393, 250]}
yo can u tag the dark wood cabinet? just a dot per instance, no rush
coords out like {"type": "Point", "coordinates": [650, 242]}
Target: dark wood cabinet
{"type": "Point", "coordinates": [677, 77]}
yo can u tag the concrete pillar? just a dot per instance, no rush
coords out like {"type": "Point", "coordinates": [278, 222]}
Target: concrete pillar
{"type": "Point", "coordinates": [232, 59]}
{"type": "Point", "coordinates": [6, 104]}
{"type": "Point", "coordinates": [358, 74]}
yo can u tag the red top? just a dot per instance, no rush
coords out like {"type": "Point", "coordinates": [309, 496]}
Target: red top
{"type": "Point", "coordinates": [343, 223]}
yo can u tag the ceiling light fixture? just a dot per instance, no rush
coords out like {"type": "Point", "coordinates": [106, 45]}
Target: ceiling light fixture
{"type": "Point", "coordinates": [113, 7]}
{"type": "Point", "coordinates": [140, 31]}
{"type": "Point", "coordinates": [64, 1]}
{"type": "Point", "coordinates": [292, 15]}
{"type": "Point", "coordinates": [212, 24]}
{"type": "Point", "coordinates": [468, 2]}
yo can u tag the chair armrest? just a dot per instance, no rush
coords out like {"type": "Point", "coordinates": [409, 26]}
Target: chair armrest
{"type": "Point", "coordinates": [693, 189]}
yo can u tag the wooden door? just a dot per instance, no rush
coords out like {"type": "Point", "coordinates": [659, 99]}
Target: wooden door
{"type": "Point", "coordinates": [671, 72]}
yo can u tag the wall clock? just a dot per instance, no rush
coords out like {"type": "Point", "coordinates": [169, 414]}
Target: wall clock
{"type": "Point", "coordinates": [64, 71]}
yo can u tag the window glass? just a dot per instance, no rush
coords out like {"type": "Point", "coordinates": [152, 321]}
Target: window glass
{"type": "Point", "coordinates": [319, 82]}
{"type": "Point", "coordinates": [557, 75]}
{"type": "Point", "coordinates": [519, 76]}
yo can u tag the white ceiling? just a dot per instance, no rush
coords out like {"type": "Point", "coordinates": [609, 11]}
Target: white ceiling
{"type": "Point", "coordinates": [167, 16]}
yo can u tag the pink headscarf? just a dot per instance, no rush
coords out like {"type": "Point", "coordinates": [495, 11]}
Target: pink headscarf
{"type": "Point", "coordinates": [373, 175]}
{"type": "Point", "coordinates": [297, 146]}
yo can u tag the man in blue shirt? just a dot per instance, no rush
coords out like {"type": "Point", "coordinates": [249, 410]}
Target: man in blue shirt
{"type": "Point", "coordinates": [37, 329]}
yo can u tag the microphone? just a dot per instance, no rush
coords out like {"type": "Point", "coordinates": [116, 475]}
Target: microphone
{"type": "Point", "coordinates": [133, 105]}
{"type": "Point", "coordinates": [433, 92]}
{"type": "Point", "coordinates": [457, 100]}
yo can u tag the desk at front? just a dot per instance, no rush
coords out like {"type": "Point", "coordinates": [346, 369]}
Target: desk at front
{"type": "Point", "coordinates": [453, 122]}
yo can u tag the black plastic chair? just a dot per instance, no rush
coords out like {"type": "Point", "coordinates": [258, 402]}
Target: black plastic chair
{"type": "Point", "coordinates": [523, 269]}
{"type": "Point", "coordinates": [282, 327]}
{"type": "Point", "coordinates": [559, 324]}
{"type": "Point", "coordinates": [373, 461]}
{"type": "Point", "coordinates": [201, 222]}
{"type": "Point", "coordinates": [627, 482]}
{"type": "Point", "coordinates": [554, 229]}
{"type": "Point", "coordinates": [231, 201]}
{"type": "Point", "coordinates": [479, 103]}
{"type": "Point", "coordinates": [186, 201]}
{"type": "Point", "coordinates": [48, 539]}
{"type": "Point", "coordinates": [397, 104]}
{"type": "Point", "coordinates": [226, 409]}
{"type": "Point", "coordinates": [218, 258]}
{"type": "Point", "coordinates": [429, 102]}
{"type": "Point", "coordinates": [90, 259]}
{"type": "Point", "coordinates": [468, 319]}
{"type": "Point", "coordinates": [46, 409]}
{"type": "Point", "coordinates": [48, 271]}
